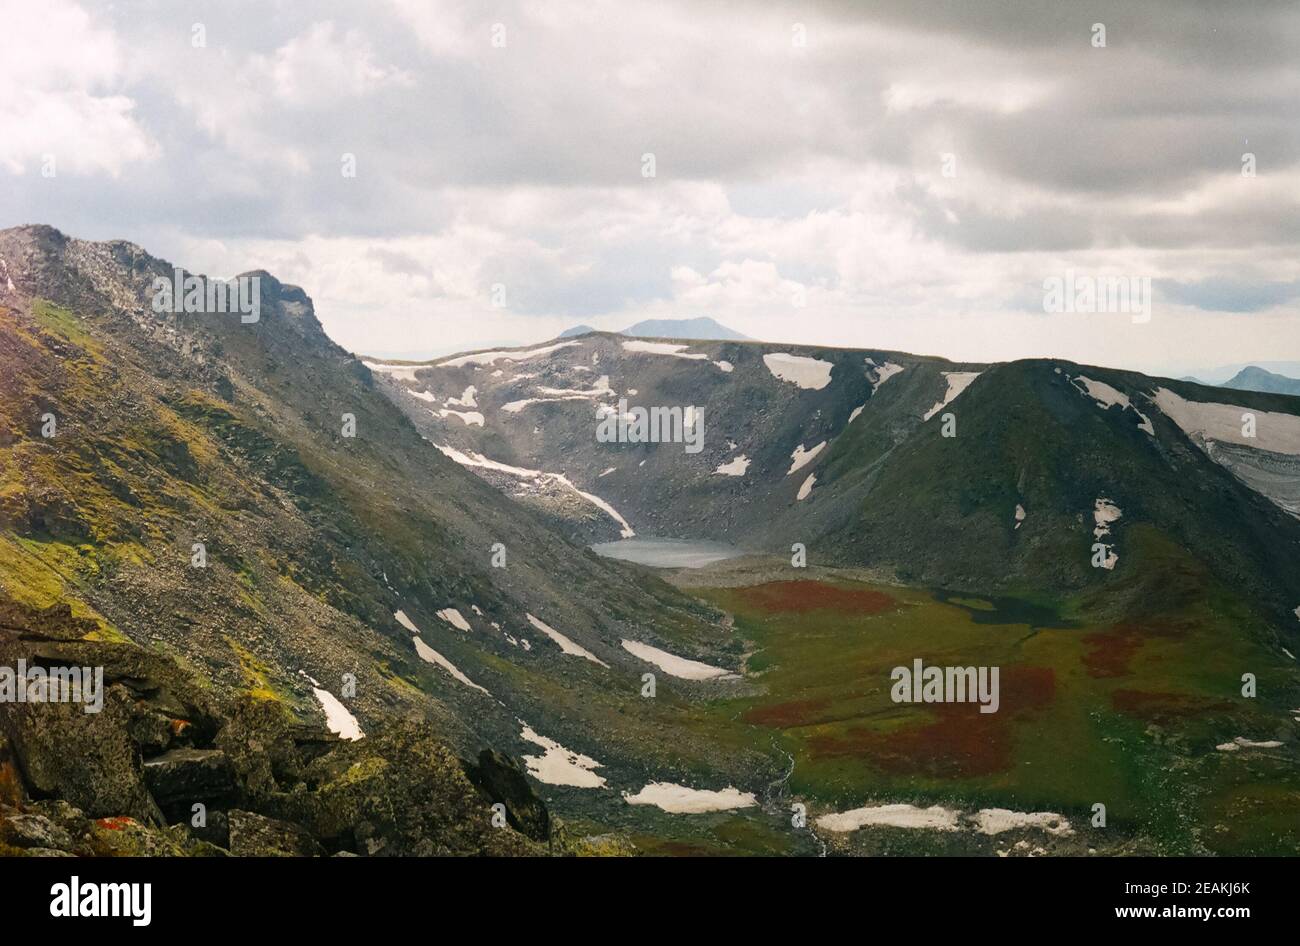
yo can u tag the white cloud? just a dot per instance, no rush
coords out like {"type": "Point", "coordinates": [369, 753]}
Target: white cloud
{"type": "Point", "coordinates": [59, 71]}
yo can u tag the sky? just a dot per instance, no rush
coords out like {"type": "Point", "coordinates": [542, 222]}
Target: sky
{"type": "Point", "coordinates": [900, 174]}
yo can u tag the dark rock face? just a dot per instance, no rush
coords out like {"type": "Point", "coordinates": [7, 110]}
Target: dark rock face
{"type": "Point", "coordinates": [166, 770]}
{"type": "Point", "coordinates": [254, 835]}
{"type": "Point", "coordinates": [180, 778]}
{"type": "Point", "coordinates": [499, 777]}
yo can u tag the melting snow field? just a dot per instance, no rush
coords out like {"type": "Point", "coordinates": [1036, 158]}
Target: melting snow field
{"type": "Point", "coordinates": [455, 619]}
{"type": "Point", "coordinates": [470, 418]}
{"type": "Point", "coordinates": [400, 372]}
{"type": "Point", "coordinates": [1104, 513]}
{"type": "Point", "coordinates": [560, 766]}
{"type": "Point", "coordinates": [883, 374]}
{"type": "Point", "coordinates": [997, 820]}
{"type": "Point", "coordinates": [492, 357]}
{"type": "Point", "coordinates": [1242, 742]}
{"type": "Point", "coordinates": [664, 348]}
{"type": "Point", "coordinates": [958, 381]}
{"type": "Point", "coordinates": [680, 800]}
{"type": "Point", "coordinates": [1274, 431]}
{"type": "Point", "coordinates": [937, 818]}
{"type": "Point", "coordinates": [735, 467]}
{"type": "Point", "coordinates": [337, 718]}
{"type": "Point", "coordinates": [477, 460]}
{"type": "Point", "coordinates": [566, 645]}
{"type": "Point", "coordinates": [812, 374]}
{"type": "Point", "coordinates": [801, 458]}
{"type": "Point", "coordinates": [676, 666]}
{"type": "Point", "coordinates": [934, 818]}
{"type": "Point", "coordinates": [1107, 397]}
{"type": "Point", "coordinates": [429, 655]}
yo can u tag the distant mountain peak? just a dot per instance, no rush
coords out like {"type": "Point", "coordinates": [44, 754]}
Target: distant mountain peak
{"type": "Point", "coordinates": [702, 329]}
{"type": "Point", "coordinates": [1255, 378]}
{"type": "Point", "coordinates": [698, 329]}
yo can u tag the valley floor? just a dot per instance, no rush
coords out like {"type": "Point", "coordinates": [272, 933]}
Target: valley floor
{"type": "Point", "coordinates": [1110, 737]}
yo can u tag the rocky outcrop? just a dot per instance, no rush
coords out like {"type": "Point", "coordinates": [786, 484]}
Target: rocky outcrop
{"type": "Point", "coordinates": [164, 769]}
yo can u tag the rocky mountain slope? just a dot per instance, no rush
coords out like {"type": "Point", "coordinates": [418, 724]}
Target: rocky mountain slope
{"type": "Point", "coordinates": [242, 500]}
{"type": "Point", "coordinates": [967, 476]}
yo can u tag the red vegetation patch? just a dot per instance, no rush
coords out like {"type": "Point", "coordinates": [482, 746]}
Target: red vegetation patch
{"type": "Point", "coordinates": [801, 597]}
{"type": "Point", "coordinates": [115, 824]}
{"type": "Point", "coordinates": [786, 715]}
{"type": "Point", "coordinates": [1110, 651]}
{"type": "Point", "coordinates": [961, 742]}
{"type": "Point", "coordinates": [1163, 707]}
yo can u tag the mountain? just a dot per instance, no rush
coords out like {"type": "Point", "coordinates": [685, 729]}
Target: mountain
{"type": "Point", "coordinates": [1120, 546]}
{"type": "Point", "coordinates": [702, 328]}
{"type": "Point", "coordinates": [347, 605]}
{"type": "Point", "coordinates": [694, 329]}
{"type": "Point", "coordinates": [326, 532]}
{"type": "Point", "coordinates": [843, 448]}
{"type": "Point", "coordinates": [1252, 378]}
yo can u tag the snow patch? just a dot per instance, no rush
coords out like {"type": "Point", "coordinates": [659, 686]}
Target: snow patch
{"type": "Point", "coordinates": [734, 467]}
{"type": "Point", "coordinates": [807, 486]}
{"type": "Point", "coordinates": [681, 800]}
{"type": "Point", "coordinates": [958, 381]}
{"type": "Point", "coordinates": [802, 458]}
{"type": "Point", "coordinates": [811, 374]}
{"type": "Point", "coordinates": [664, 348]}
{"type": "Point", "coordinates": [676, 666]}
{"type": "Point", "coordinates": [1020, 515]}
{"type": "Point", "coordinates": [883, 374]}
{"type": "Point", "coordinates": [1107, 397]}
{"type": "Point", "coordinates": [997, 820]}
{"type": "Point", "coordinates": [560, 766]}
{"type": "Point", "coordinates": [935, 818]}
{"type": "Point", "coordinates": [1241, 742]}
{"type": "Point", "coordinates": [401, 372]}
{"type": "Point", "coordinates": [429, 655]}
{"type": "Point", "coordinates": [337, 718]}
{"type": "Point", "coordinates": [469, 458]}
{"type": "Point", "coordinates": [566, 645]}
{"type": "Point", "coordinates": [1104, 513]}
{"type": "Point", "coordinates": [725, 366]}
{"type": "Point", "coordinates": [465, 400]}
{"type": "Point", "coordinates": [470, 418]}
{"type": "Point", "coordinates": [492, 357]}
{"type": "Point", "coordinates": [455, 619]}
{"type": "Point", "coordinates": [1277, 432]}
{"type": "Point", "coordinates": [406, 622]}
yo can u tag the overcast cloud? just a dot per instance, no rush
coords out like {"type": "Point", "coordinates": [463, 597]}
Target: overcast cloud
{"type": "Point", "coordinates": [799, 192]}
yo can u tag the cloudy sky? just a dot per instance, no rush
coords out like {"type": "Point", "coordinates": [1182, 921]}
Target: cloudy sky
{"type": "Point", "coordinates": [899, 174]}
